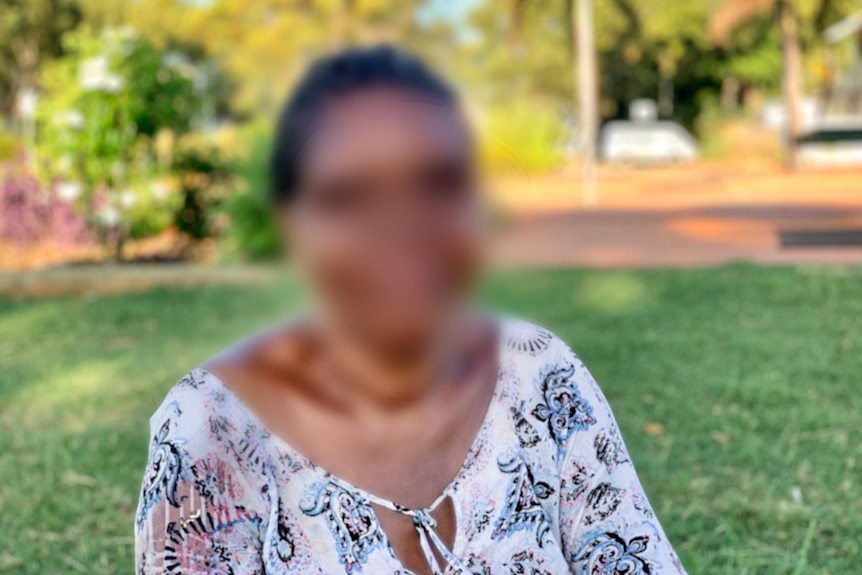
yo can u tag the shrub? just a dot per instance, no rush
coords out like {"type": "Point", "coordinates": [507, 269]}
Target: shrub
{"type": "Point", "coordinates": [522, 138]}
{"type": "Point", "coordinates": [253, 232]}
{"type": "Point", "coordinates": [206, 180]}
{"type": "Point", "coordinates": [105, 106]}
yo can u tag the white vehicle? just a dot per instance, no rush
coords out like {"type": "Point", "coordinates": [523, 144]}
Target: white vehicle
{"type": "Point", "coordinates": [832, 145]}
{"type": "Point", "coordinates": [645, 139]}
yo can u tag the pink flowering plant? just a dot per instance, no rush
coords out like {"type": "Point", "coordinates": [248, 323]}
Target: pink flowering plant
{"type": "Point", "coordinates": [31, 213]}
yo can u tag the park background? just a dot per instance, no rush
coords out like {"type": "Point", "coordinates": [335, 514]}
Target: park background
{"type": "Point", "coordinates": [708, 273]}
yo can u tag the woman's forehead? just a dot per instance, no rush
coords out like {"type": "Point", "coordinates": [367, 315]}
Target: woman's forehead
{"type": "Point", "coordinates": [384, 126]}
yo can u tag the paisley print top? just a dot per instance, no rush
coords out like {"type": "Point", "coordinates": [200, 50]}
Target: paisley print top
{"type": "Point", "coordinates": [547, 487]}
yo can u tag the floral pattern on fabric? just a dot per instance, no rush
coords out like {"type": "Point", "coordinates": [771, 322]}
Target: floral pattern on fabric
{"type": "Point", "coordinates": [609, 449]}
{"type": "Point", "coordinates": [527, 562]}
{"type": "Point", "coordinates": [547, 487]}
{"type": "Point", "coordinates": [522, 508]}
{"type": "Point", "coordinates": [164, 470]}
{"type": "Point", "coordinates": [351, 521]}
{"type": "Point", "coordinates": [563, 408]}
{"type": "Point", "coordinates": [612, 554]}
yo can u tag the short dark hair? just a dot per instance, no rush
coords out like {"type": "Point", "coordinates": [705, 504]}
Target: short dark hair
{"type": "Point", "coordinates": [344, 73]}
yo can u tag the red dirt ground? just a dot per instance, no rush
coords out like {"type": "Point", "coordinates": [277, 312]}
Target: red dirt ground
{"type": "Point", "coordinates": [704, 214]}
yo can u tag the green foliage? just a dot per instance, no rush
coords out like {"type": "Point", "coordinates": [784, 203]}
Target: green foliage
{"type": "Point", "coordinates": [264, 44]}
{"type": "Point", "coordinates": [253, 233]}
{"type": "Point", "coordinates": [754, 54]}
{"type": "Point", "coordinates": [103, 103]}
{"type": "Point", "coordinates": [526, 49]}
{"type": "Point", "coordinates": [10, 146]}
{"type": "Point", "coordinates": [164, 85]}
{"type": "Point", "coordinates": [31, 33]}
{"type": "Point", "coordinates": [709, 125]}
{"type": "Point", "coordinates": [522, 138]}
{"type": "Point", "coordinates": [206, 180]}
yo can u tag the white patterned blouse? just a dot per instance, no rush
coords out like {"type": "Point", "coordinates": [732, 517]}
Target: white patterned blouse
{"type": "Point", "coordinates": [546, 489]}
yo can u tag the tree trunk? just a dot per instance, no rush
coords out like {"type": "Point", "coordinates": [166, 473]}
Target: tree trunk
{"type": "Point", "coordinates": [665, 97]}
{"type": "Point", "coordinates": [730, 89]}
{"type": "Point", "coordinates": [588, 89]}
{"type": "Point", "coordinates": [667, 71]}
{"type": "Point", "coordinates": [119, 244]}
{"type": "Point", "coordinates": [792, 78]}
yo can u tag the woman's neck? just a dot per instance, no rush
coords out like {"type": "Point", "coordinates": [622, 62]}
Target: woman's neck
{"type": "Point", "coordinates": [397, 376]}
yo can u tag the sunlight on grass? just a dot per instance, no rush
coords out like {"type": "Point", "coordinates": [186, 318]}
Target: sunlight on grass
{"type": "Point", "coordinates": [72, 392]}
{"type": "Point", "coordinates": [612, 293]}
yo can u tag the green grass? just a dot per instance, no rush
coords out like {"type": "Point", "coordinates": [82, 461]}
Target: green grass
{"type": "Point", "coordinates": [753, 374]}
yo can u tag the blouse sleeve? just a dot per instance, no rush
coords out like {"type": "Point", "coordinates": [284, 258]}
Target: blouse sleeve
{"type": "Point", "coordinates": [607, 524]}
{"type": "Point", "coordinates": [198, 513]}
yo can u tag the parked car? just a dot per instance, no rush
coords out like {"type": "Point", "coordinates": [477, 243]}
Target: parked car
{"type": "Point", "coordinates": [644, 139]}
{"type": "Point", "coordinates": [832, 145]}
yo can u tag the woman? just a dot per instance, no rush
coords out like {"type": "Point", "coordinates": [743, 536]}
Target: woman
{"type": "Point", "coordinates": [395, 430]}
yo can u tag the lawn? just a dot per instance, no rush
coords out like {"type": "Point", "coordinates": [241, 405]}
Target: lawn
{"type": "Point", "coordinates": [738, 391]}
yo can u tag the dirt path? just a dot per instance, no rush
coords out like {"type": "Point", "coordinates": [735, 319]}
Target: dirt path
{"type": "Point", "coordinates": [674, 237]}
{"type": "Point", "coordinates": [681, 216]}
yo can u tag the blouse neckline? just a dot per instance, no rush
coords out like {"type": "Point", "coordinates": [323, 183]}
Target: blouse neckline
{"type": "Point", "coordinates": [451, 487]}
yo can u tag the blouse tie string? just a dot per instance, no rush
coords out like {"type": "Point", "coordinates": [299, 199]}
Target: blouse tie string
{"type": "Point", "coordinates": [426, 529]}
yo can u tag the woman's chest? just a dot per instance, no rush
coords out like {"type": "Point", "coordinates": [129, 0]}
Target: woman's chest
{"type": "Point", "coordinates": [408, 457]}
{"type": "Point", "coordinates": [505, 519]}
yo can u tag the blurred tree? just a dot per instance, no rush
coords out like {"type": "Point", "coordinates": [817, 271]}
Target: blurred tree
{"type": "Point", "coordinates": [99, 14]}
{"type": "Point", "coordinates": [535, 58]}
{"type": "Point", "coordinates": [162, 22]}
{"type": "Point", "coordinates": [30, 34]}
{"type": "Point", "coordinates": [797, 22]}
{"type": "Point", "coordinates": [662, 49]}
{"type": "Point", "coordinates": [264, 44]}
{"type": "Point", "coordinates": [674, 30]}
{"type": "Point", "coordinates": [733, 13]}
{"type": "Point", "coordinates": [657, 49]}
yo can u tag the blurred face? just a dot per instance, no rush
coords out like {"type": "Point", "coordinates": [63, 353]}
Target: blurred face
{"type": "Point", "coordinates": [386, 223]}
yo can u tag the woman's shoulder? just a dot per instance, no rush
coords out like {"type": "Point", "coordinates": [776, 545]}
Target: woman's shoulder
{"type": "Point", "coordinates": [202, 455]}
{"type": "Point", "coordinates": [549, 384]}
{"type": "Point", "coordinates": [199, 413]}
{"type": "Point", "coordinates": [539, 362]}
{"type": "Point", "coordinates": [526, 343]}
{"type": "Point", "coordinates": [542, 360]}
{"type": "Point", "coordinates": [191, 398]}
